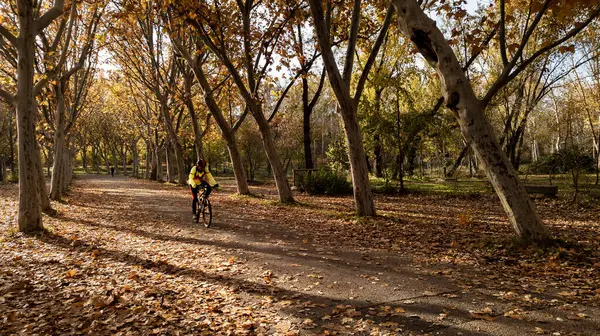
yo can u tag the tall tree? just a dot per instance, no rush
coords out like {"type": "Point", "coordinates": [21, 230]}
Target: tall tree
{"type": "Point", "coordinates": [227, 130]}
{"type": "Point", "coordinates": [76, 50]}
{"type": "Point", "coordinates": [259, 26]}
{"type": "Point", "coordinates": [461, 99]}
{"type": "Point", "coordinates": [305, 52]}
{"type": "Point", "coordinates": [30, 24]}
{"type": "Point", "coordinates": [341, 84]}
{"type": "Point", "coordinates": [151, 61]}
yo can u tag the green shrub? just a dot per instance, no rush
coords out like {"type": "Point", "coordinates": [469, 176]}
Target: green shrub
{"type": "Point", "coordinates": [12, 177]}
{"type": "Point", "coordinates": [324, 182]}
{"type": "Point", "coordinates": [563, 161]}
{"type": "Point", "coordinates": [337, 156]}
{"type": "Point", "coordinates": [388, 188]}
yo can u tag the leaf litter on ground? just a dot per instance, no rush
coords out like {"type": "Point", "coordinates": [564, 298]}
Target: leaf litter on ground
{"type": "Point", "coordinates": [104, 266]}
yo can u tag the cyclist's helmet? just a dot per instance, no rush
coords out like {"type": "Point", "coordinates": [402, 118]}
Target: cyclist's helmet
{"type": "Point", "coordinates": [201, 163]}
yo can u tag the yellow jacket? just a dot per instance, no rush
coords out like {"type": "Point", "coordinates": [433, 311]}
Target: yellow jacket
{"type": "Point", "coordinates": [196, 177]}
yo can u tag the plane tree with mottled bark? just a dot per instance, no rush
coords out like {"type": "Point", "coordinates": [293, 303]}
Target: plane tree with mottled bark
{"type": "Point", "coordinates": [73, 63]}
{"type": "Point", "coordinates": [244, 36]}
{"type": "Point", "coordinates": [517, 52]}
{"type": "Point", "coordinates": [142, 47]}
{"type": "Point", "coordinates": [195, 57]}
{"type": "Point", "coordinates": [20, 34]}
{"type": "Point", "coordinates": [341, 81]}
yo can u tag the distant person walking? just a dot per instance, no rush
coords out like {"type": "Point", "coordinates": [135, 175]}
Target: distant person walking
{"type": "Point", "coordinates": [112, 171]}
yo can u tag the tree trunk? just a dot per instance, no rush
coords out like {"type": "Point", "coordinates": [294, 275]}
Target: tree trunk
{"type": "Point", "coordinates": [41, 185]}
{"type": "Point", "coordinates": [172, 138]}
{"type": "Point", "coordinates": [511, 147]}
{"type": "Point", "coordinates": [575, 177]}
{"type": "Point", "coordinates": [279, 174]}
{"type": "Point", "coordinates": [170, 163]}
{"type": "Point", "coordinates": [49, 160]}
{"type": "Point", "coordinates": [115, 162]}
{"type": "Point", "coordinates": [377, 150]}
{"type": "Point", "coordinates": [2, 168]}
{"type": "Point", "coordinates": [307, 111]}
{"type": "Point", "coordinates": [255, 106]}
{"type": "Point", "coordinates": [154, 175]}
{"type": "Point", "coordinates": [519, 151]}
{"type": "Point", "coordinates": [363, 196]}
{"type": "Point", "coordinates": [124, 159]}
{"type": "Point", "coordinates": [597, 169]}
{"type": "Point", "coordinates": [157, 164]}
{"type": "Point", "coordinates": [11, 142]}
{"type": "Point", "coordinates": [97, 160]}
{"type": "Point", "coordinates": [66, 170]}
{"type": "Point", "coordinates": [136, 160]}
{"type": "Point", "coordinates": [471, 164]}
{"type": "Point", "coordinates": [226, 130]}
{"type": "Point", "coordinates": [56, 182]}
{"type": "Point", "coordinates": [459, 160]}
{"type": "Point", "coordinates": [148, 169]}
{"type": "Point", "coordinates": [412, 157]}
{"type": "Point", "coordinates": [107, 164]}
{"type": "Point", "coordinates": [378, 155]}
{"type": "Point", "coordinates": [190, 106]}
{"type": "Point", "coordinates": [598, 159]}
{"type": "Point", "coordinates": [155, 171]}
{"type": "Point", "coordinates": [402, 176]}
{"type": "Point", "coordinates": [308, 160]}
{"type": "Point", "coordinates": [461, 99]}
{"type": "Point", "coordinates": [238, 166]}
{"type": "Point", "coordinates": [84, 158]}
{"type": "Point", "coordinates": [400, 167]}
{"type": "Point", "coordinates": [30, 211]}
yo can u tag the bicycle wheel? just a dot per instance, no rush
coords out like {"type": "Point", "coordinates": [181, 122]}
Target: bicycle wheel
{"type": "Point", "coordinates": [198, 210]}
{"type": "Point", "coordinates": [206, 213]}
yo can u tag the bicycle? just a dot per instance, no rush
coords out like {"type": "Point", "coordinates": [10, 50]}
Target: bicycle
{"type": "Point", "coordinates": [203, 209]}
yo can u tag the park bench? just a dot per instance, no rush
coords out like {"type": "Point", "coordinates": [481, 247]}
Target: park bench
{"type": "Point", "coordinates": [542, 190]}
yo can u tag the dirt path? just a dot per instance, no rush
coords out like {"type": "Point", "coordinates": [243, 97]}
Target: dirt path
{"type": "Point", "coordinates": [123, 257]}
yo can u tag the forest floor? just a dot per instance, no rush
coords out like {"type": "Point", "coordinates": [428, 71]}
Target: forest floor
{"type": "Point", "coordinates": [123, 257]}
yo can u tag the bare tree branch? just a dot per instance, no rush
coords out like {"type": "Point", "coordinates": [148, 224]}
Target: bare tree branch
{"type": "Point", "coordinates": [347, 74]}
{"type": "Point", "coordinates": [8, 35]}
{"type": "Point", "coordinates": [50, 15]}
{"type": "Point", "coordinates": [503, 32]}
{"type": "Point", "coordinates": [7, 96]}
{"type": "Point", "coordinates": [373, 55]}
{"type": "Point", "coordinates": [507, 76]}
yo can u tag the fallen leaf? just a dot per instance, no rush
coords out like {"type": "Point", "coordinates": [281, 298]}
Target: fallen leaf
{"type": "Point", "coordinates": [70, 273]}
{"type": "Point", "coordinates": [576, 317]}
{"type": "Point", "coordinates": [308, 323]}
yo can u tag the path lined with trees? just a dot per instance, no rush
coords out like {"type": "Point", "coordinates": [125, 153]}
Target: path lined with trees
{"type": "Point", "coordinates": [122, 257]}
{"type": "Point", "coordinates": [232, 57]}
{"type": "Point", "coordinates": [161, 50]}
{"type": "Point", "coordinates": [418, 109]}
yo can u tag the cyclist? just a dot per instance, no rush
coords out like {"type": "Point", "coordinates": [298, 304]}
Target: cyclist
{"type": "Point", "coordinates": [200, 176]}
